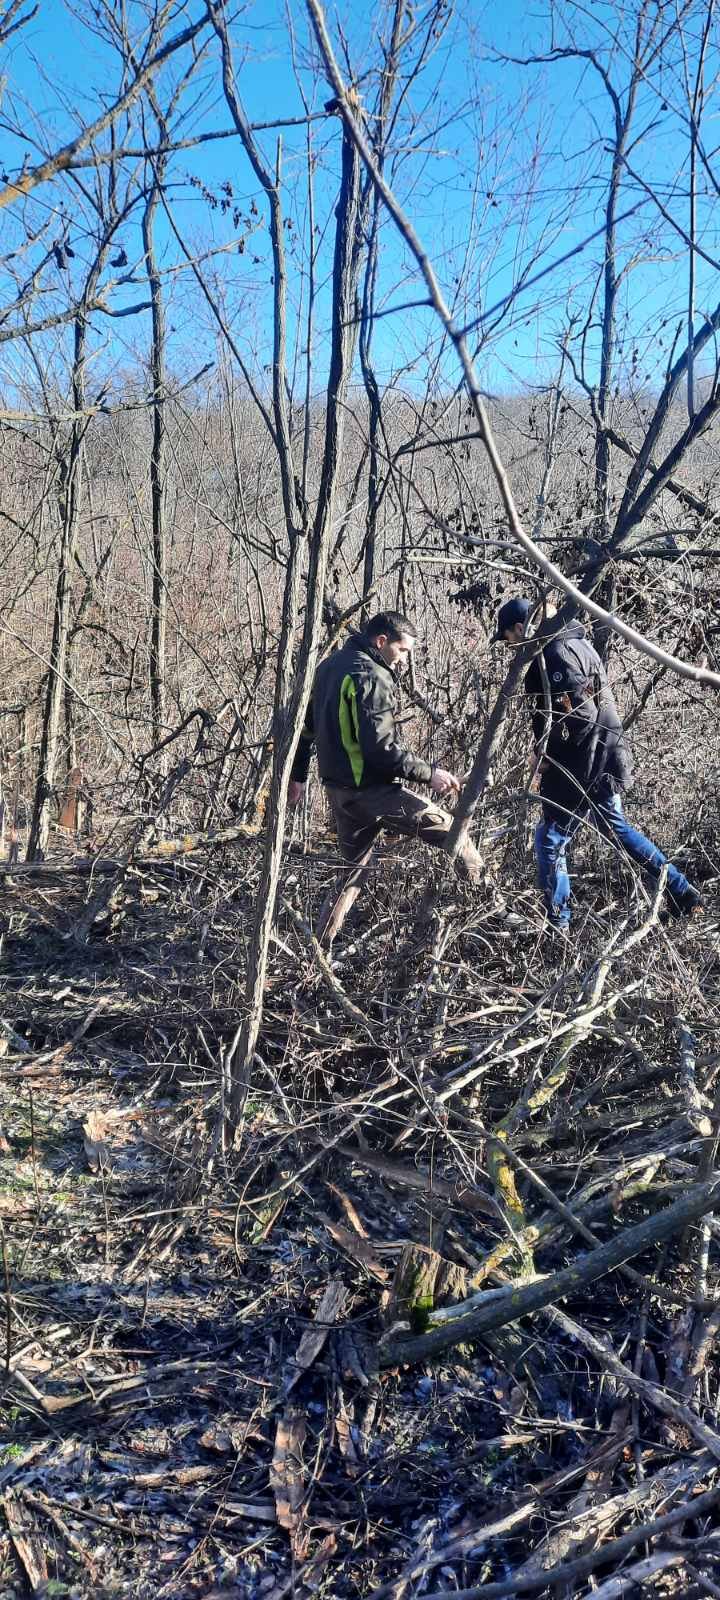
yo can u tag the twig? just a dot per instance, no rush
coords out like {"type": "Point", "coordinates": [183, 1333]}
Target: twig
{"type": "Point", "coordinates": [569, 1571]}
{"type": "Point", "coordinates": [8, 1300]}
{"type": "Point", "coordinates": [655, 1397]}
{"type": "Point", "coordinates": [319, 957]}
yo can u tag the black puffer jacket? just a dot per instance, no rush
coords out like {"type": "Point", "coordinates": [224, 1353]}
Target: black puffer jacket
{"type": "Point", "coordinates": [586, 747]}
{"type": "Point", "coordinates": [351, 721]}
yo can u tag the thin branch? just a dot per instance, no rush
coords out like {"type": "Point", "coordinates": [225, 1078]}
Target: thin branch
{"type": "Point", "coordinates": [62, 159]}
{"type": "Point", "coordinates": [552, 572]}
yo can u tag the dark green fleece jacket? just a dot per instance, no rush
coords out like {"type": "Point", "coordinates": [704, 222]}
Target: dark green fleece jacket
{"type": "Point", "coordinates": [351, 723]}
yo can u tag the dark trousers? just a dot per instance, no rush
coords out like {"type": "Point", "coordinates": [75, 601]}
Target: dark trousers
{"type": "Point", "coordinates": [361, 815]}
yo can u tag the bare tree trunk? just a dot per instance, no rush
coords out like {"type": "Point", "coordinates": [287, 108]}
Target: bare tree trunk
{"type": "Point", "coordinates": [602, 635]}
{"type": "Point", "coordinates": [59, 689]}
{"type": "Point", "coordinates": [158, 461]}
{"type": "Point", "coordinates": [368, 303]}
{"type": "Point", "coordinates": [50, 738]}
{"type": "Point", "coordinates": [293, 680]}
{"type": "Point", "coordinates": [375, 414]}
{"type": "Point", "coordinates": [477, 781]}
{"type": "Point", "coordinates": [290, 711]}
{"type": "Point", "coordinates": [696, 109]}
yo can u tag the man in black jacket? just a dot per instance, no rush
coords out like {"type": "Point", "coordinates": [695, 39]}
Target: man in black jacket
{"type": "Point", "coordinates": [365, 767]}
{"type": "Point", "coordinates": [585, 763]}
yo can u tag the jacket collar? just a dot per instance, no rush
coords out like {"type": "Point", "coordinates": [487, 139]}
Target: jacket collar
{"type": "Point", "coordinates": [360, 641]}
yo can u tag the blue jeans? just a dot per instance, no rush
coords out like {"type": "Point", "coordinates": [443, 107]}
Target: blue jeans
{"type": "Point", "coordinates": [606, 814]}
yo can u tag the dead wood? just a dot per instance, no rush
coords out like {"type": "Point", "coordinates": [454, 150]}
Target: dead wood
{"type": "Point", "coordinates": [522, 1301]}
{"type": "Point", "coordinates": [660, 1399]}
{"type": "Point", "coordinates": [130, 1027]}
{"type": "Point", "coordinates": [588, 1527]}
{"type": "Point", "coordinates": [569, 1572]}
{"type": "Point", "coordinates": [423, 1281]}
{"type": "Point", "coordinates": [319, 1190]}
{"type": "Point", "coordinates": [286, 1473]}
{"type": "Point", "coordinates": [326, 1317]}
{"type": "Point", "coordinates": [24, 1533]}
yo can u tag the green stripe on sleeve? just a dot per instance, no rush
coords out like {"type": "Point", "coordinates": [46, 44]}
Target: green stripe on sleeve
{"type": "Point", "coordinates": [350, 728]}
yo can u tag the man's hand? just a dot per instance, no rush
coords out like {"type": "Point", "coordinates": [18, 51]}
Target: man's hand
{"type": "Point", "coordinates": [296, 792]}
{"type": "Point", "coordinates": [444, 782]}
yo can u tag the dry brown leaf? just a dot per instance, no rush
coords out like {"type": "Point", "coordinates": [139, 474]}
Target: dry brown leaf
{"type": "Point", "coordinates": [94, 1138]}
{"type": "Point", "coordinates": [356, 1248]}
{"type": "Point", "coordinates": [349, 1209]}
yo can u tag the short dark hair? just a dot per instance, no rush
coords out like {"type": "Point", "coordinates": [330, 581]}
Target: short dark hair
{"type": "Point", "coordinates": [391, 623]}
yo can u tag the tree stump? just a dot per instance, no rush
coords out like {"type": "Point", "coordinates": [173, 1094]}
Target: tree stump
{"type": "Point", "coordinates": [423, 1281]}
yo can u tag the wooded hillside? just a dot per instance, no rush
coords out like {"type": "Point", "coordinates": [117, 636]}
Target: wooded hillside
{"type": "Point", "coordinates": [387, 1268]}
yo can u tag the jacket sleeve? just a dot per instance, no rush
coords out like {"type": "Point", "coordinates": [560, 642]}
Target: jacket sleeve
{"type": "Point", "coordinates": [535, 697]}
{"type": "Point", "coordinates": [303, 754]}
{"type": "Point", "coordinates": [377, 735]}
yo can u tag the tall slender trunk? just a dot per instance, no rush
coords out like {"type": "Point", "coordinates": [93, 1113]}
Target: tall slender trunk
{"type": "Point", "coordinates": [293, 689]}
{"type": "Point", "coordinates": [623, 120]}
{"type": "Point", "coordinates": [371, 197]}
{"type": "Point", "coordinates": [158, 468]}
{"type": "Point", "coordinates": [696, 109]}
{"type": "Point", "coordinates": [71, 495]}
{"type": "Point", "coordinates": [375, 414]}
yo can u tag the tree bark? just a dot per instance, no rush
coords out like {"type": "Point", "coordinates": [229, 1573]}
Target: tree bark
{"type": "Point", "coordinates": [158, 461]}
{"type": "Point", "coordinates": [71, 469]}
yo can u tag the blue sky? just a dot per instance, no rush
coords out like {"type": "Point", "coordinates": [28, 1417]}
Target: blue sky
{"type": "Point", "coordinates": [505, 170]}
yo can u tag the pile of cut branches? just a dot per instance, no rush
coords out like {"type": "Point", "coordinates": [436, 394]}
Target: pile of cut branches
{"type": "Point", "coordinates": [437, 1317]}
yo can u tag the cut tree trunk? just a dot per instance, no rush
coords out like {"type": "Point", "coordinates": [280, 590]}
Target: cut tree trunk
{"type": "Point", "coordinates": [423, 1281]}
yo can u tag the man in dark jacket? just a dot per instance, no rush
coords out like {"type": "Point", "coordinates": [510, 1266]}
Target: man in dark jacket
{"type": "Point", "coordinates": [585, 763]}
{"type": "Point", "coordinates": [363, 763]}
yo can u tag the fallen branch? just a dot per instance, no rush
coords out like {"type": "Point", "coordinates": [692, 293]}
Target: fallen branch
{"type": "Point", "coordinates": [535, 1097]}
{"type": "Point", "coordinates": [668, 1481]}
{"type": "Point", "coordinates": [634, 1577]}
{"type": "Point", "coordinates": [569, 1571]}
{"type": "Point", "coordinates": [535, 1296]}
{"type": "Point", "coordinates": [166, 851]}
{"type": "Point", "coordinates": [657, 1398]}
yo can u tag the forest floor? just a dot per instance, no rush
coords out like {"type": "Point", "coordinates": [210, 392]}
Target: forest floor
{"type": "Point", "coordinates": [200, 1394]}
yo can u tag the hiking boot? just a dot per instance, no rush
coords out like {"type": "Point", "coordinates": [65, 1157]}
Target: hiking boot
{"type": "Point", "coordinates": [686, 905]}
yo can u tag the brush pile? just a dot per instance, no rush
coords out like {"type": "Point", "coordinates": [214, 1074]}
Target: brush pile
{"type": "Point", "coordinates": [438, 1319]}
